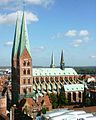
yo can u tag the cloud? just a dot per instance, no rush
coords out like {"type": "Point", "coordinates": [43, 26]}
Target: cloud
{"type": "Point", "coordinates": [59, 35]}
{"type": "Point", "coordinates": [11, 17]}
{"type": "Point", "coordinates": [77, 43]}
{"type": "Point", "coordinates": [93, 56]}
{"type": "Point", "coordinates": [84, 33]}
{"type": "Point", "coordinates": [8, 43]}
{"type": "Point", "coordinates": [39, 49]}
{"type": "Point", "coordinates": [45, 3]}
{"type": "Point", "coordinates": [5, 1]}
{"type": "Point", "coordinates": [71, 33]}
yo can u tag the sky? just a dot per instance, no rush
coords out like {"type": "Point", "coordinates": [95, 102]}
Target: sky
{"type": "Point", "coordinates": [53, 26]}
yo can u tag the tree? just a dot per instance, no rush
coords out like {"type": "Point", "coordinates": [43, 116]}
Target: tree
{"type": "Point", "coordinates": [54, 100]}
{"type": "Point", "coordinates": [44, 110]}
{"type": "Point", "coordinates": [61, 98]}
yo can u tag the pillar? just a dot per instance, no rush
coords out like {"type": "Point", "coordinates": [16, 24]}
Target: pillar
{"type": "Point", "coordinates": [66, 95]}
{"type": "Point", "coordinates": [77, 97]}
{"type": "Point", "coordinates": [71, 96]}
{"type": "Point", "coordinates": [81, 97]}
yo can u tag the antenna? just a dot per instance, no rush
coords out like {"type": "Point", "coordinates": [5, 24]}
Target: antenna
{"type": "Point", "coordinates": [23, 4]}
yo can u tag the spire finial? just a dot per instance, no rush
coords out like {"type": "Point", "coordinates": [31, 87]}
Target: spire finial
{"type": "Point", "coordinates": [62, 61]}
{"type": "Point", "coordinates": [52, 61]}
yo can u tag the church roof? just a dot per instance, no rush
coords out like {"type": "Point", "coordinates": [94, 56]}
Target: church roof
{"type": "Point", "coordinates": [24, 41]}
{"type": "Point", "coordinates": [53, 72]}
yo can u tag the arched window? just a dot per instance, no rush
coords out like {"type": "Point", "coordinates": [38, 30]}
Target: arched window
{"type": "Point", "coordinates": [24, 90]}
{"type": "Point", "coordinates": [24, 63]}
{"type": "Point", "coordinates": [28, 80]}
{"type": "Point", "coordinates": [56, 79]}
{"type": "Point", "coordinates": [52, 79]}
{"type": "Point", "coordinates": [61, 79]}
{"type": "Point", "coordinates": [28, 71]}
{"type": "Point", "coordinates": [24, 81]}
{"type": "Point", "coordinates": [24, 72]}
{"type": "Point", "coordinates": [42, 79]}
{"type": "Point", "coordinates": [28, 63]}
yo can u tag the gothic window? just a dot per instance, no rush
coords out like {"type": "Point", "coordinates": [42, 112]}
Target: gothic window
{"type": "Point", "coordinates": [66, 79]}
{"type": "Point", "coordinates": [24, 72]}
{"type": "Point", "coordinates": [52, 79]}
{"type": "Point", "coordinates": [24, 81]}
{"type": "Point", "coordinates": [42, 79]}
{"type": "Point", "coordinates": [56, 79]}
{"type": "Point", "coordinates": [70, 78]}
{"type": "Point", "coordinates": [61, 79]}
{"type": "Point", "coordinates": [28, 63]}
{"type": "Point", "coordinates": [24, 63]}
{"type": "Point", "coordinates": [28, 71]}
{"type": "Point", "coordinates": [28, 80]}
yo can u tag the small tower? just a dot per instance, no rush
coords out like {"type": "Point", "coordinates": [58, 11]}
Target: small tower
{"type": "Point", "coordinates": [62, 61]}
{"type": "Point", "coordinates": [52, 62]}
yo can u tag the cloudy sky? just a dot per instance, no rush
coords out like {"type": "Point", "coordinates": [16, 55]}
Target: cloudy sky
{"type": "Point", "coordinates": [53, 25]}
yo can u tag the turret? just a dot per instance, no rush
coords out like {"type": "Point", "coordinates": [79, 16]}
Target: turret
{"type": "Point", "coordinates": [62, 61]}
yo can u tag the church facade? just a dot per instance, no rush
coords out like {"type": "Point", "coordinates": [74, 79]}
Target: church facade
{"type": "Point", "coordinates": [37, 82]}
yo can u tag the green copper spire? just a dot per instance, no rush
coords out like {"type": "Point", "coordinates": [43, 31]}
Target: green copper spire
{"type": "Point", "coordinates": [16, 39]}
{"type": "Point", "coordinates": [62, 61]}
{"type": "Point", "coordinates": [52, 61]}
{"type": "Point", "coordinates": [24, 41]}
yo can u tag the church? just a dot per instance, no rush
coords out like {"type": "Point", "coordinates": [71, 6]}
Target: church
{"type": "Point", "coordinates": [36, 82]}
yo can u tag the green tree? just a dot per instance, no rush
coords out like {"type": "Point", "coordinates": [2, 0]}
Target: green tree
{"type": "Point", "coordinates": [54, 100]}
{"type": "Point", "coordinates": [44, 110]}
{"type": "Point", "coordinates": [61, 98]}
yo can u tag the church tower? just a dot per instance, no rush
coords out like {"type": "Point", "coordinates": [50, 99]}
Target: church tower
{"type": "Point", "coordinates": [14, 62]}
{"type": "Point", "coordinates": [62, 61]}
{"type": "Point", "coordinates": [22, 76]}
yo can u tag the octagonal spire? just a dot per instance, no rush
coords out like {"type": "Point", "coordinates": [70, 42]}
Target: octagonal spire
{"type": "Point", "coordinates": [24, 40]}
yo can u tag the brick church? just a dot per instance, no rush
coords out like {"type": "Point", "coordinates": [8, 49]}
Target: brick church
{"type": "Point", "coordinates": [37, 82]}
